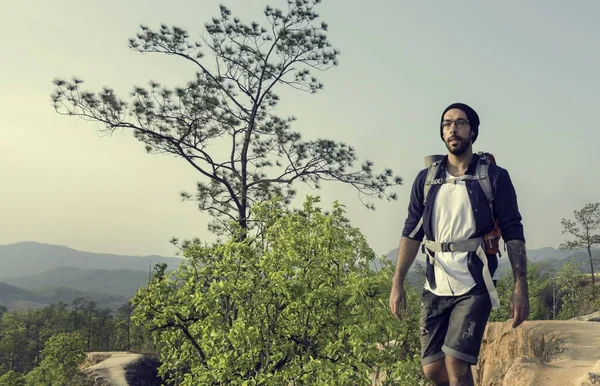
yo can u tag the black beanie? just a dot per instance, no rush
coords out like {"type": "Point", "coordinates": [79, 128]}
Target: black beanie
{"type": "Point", "coordinates": [471, 116]}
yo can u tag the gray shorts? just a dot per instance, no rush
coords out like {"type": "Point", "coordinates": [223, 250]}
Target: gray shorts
{"type": "Point", "coordinates": [453, 325]}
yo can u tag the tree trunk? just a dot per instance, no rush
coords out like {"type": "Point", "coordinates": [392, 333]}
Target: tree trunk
{"type": "Point", "coordinates": [243, 221]}
{"type": "Point", "coordinates": [128, 334]}
{"type": "Point", "coordinates": [592, 269]}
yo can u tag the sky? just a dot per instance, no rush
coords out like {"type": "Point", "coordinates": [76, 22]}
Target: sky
{"type": "Point", "coordinates": [530, 70]}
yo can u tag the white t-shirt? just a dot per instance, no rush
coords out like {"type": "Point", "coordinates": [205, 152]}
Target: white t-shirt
{"type": "Point", "coordinates": [452, 220]}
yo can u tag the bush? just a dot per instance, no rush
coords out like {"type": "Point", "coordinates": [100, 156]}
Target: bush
{"type": "Point", "coordinates": [61, 357]}
{"type": "Point", "coordinates": [12, 378]}
{"type": "Point", "coordinates": [296, 303]}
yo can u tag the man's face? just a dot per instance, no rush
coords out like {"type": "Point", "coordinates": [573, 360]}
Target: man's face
{"type": "Point", "coordinates": [456, 131]}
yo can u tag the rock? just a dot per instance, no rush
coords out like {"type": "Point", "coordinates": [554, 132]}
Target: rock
{"type": "Point", "coordinates": [523, 372]}
{"type": "Point", "coordinates": [546, 353]}
{"type": "Point", "coordinates": [594, 317]}
{"type": "Point", "coordinates": [502, 345]}
{"type": "Point", "coordinates": [591, 378]}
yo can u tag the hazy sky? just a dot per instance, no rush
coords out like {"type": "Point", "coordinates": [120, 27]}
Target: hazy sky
{"type": "Point", "coordinates": [530, 69]}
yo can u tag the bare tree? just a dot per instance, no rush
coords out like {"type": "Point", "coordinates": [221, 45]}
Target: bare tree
{"type": "Point", "coordinates": [232, 100]}
{"type": "Point", "coordinates": [584, 228]}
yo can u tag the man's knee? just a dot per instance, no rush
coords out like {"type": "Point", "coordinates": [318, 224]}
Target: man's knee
{"type": "Point", "coordinates": [436, 372]}
{"type": "Point", "coordinates": [456, 366]}
{"type": "Point", "coordinates": [459, 372]}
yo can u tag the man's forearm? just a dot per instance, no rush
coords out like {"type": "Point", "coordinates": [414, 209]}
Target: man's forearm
{"type": "Point", "coordinates": [517, 254]}
{"type": "Point", "coordinates": [407, 252]}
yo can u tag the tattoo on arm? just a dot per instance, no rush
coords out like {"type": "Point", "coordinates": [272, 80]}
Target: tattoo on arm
{"type": "Point", "coordinates": [517, 254]}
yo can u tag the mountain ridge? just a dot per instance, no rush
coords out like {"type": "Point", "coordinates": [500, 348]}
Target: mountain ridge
{"type": "Point", "coordinates": [30, 257]}
{"type": "Point", "coordinates": [122, 282]}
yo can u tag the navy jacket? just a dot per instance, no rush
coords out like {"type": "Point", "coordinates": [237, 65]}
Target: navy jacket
{"type": "Point", "coordinates": [506, 211]}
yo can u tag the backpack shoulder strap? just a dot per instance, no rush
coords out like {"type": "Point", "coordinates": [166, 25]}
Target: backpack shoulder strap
{"type": "Point", "coordinates": [431, 173]}
{"type": "Point", "coordinates": [481, 171]}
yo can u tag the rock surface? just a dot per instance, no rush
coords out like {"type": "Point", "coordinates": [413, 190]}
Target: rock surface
{"type": "Point", "coordinates": [549, 353]}
{"type": "Point", "coordinates": [595, 317]}
{"type": "Point", "coordinates": [111, 369]}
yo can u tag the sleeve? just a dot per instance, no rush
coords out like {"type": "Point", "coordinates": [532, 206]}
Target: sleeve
{"type": "Point", "coordinates": [413, 226]}
{"type": "Point", "coordinates": [506, 208]}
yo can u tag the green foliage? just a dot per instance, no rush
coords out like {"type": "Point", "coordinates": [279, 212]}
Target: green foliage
{"type": "Point", "coordinates": [539, 283]}
{"type": "Point", "coordinates": [61, 356]}
{"type": "Point", "coordinates": [569, 282]}
{"type": "Point", "coordinates": [298, 303]}
{"type": "Point", "coordinates": [552, 295]}
{"type": "Point", "coordinates": [504, 287]}
{"type": "Point", "coordinates": [24, 334]}
{"type": "Point", "coordinates": [12, 378]}
{"type": "Point", "coordinates": [234, 107]}
{"type": "Point", "coordinates": [586, 230]}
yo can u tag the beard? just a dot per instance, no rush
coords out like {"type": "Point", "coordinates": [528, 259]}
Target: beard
{"type": "Point", "coordinates": [457, 145]}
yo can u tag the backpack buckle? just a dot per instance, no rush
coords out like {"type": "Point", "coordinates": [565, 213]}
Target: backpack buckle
{"type": "Point", "coordinates": [446, 247]}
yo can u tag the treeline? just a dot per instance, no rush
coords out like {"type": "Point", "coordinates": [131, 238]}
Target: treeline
{"type": "Point", "coordinates": [24, 334]}
{"type": "Point", "coordinates": [553, 295]}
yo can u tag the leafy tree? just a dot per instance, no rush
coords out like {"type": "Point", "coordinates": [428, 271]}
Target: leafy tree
{"type": "Point", "coordinates": [569, 282]}
{"type": "Point", "coordinates": [123, 326]}
{"type": "Point", "coordinates": [13, 345]}
{"type": "Point", "coordinates": [90, 311]}
{"type": "Point", "coordinates": [586, 230]}
{"type": "Point", "coordinates": [298, 303]}
{"type": "Point", "coordinates": [62, 355]}
{"type": "Point", "coordinates": [223, 122]}
{"type": "Point", "coordinates": [12, 378]}
{"type": "Point", "coordinates": [539, 276]}
{"type": "Point", "coordinates": [24, 334]}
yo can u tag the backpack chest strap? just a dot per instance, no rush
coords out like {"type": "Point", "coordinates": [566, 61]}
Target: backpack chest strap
{"type": "Point", "coordinates": [469, 245]}
{"type": "Point", "coordinates": [455, 180]}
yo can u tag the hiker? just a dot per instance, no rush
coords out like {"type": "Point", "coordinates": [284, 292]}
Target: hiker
{"type": "Point", "coordinates": [458, 229]}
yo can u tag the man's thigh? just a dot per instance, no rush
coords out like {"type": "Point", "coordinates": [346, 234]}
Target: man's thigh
{"type": "Point", "coordinates": [466, 327]}
{"type": "Point", "coordinates": [433, 323]}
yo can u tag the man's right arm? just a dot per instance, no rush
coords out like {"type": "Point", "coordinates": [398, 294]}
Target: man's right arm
{"type": "Point", "coordinates": [407, 252]}
{"type": "Point", "coordinates": [412, 234]}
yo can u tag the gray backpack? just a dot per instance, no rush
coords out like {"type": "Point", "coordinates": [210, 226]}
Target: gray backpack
{"type": "Point", "coordinates": [492, 239]}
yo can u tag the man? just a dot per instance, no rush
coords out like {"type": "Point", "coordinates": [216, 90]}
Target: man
{"type": "Point", "coordinates": [451, 222]}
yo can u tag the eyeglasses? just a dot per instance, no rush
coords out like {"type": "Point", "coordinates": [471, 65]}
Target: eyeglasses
{"type": "Point", "coordinates": [460, 123]}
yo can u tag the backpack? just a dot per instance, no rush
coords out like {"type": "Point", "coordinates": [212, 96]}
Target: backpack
{"type": "Point", "coordinates": [492, 239]}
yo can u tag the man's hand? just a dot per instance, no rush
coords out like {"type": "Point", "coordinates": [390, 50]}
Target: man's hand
{"type": "Point", "coordinates": [519, 305]}
{"type": "Point", "coordinates": [398, 300]}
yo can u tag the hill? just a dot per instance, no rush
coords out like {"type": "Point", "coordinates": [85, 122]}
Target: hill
{"type": "Point", "coordinates": [582, 258]}
{"type": "Point", "coordinates": [28, 258]}
{"type": "Point", "coordinates": [122, 282]}
{"type": "Point", "coordinates": [15, 298]}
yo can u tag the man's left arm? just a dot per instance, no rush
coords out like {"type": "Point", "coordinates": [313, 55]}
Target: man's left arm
{"type": "Point", "coordinates": [509, 220]}
{"type": "Point", "coordinates": [519, 307]}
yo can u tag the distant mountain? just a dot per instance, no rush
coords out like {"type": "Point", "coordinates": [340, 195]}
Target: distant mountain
{"type": "Point", "coordinates": [547, 253]}
{"type": "Point", "coordinates": [67, 295]}
{"type": "Point", "coordinates": [582, 258]}
{"type": "Point", "coordinates": [14, 298]}
{"type": "Point", "coordinates": [121, 282]}
{"type": "Point", "coordinates": [28, 258]}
